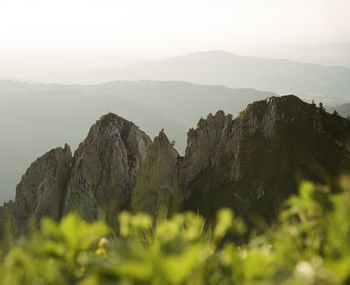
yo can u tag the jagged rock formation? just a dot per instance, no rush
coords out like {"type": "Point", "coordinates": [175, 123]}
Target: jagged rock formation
{"type": "Point", "coordinates": [256, 161]}
{"type": "Point", "coordinates": [97, 181]}
{"type": "Point", "coordinates": [251, 164]}
{"type": "Point", "coordinates": [157, 181]}
{"type": "Point", "coordinates": [202, 146]}
{"type": "Point", "coordinates": [105, 167]}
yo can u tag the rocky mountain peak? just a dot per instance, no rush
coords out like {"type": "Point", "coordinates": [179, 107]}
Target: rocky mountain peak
{"type": "Point", "coordinates": [251, 163]}
{"type": "Point", "coordinates": [161, 139]}
{"type": "Point", "coordinates": [202, 145]}
{"type": "Point", "coordinates": [157, 181]}
{"type": "Point", "coordinates": [105, 167]}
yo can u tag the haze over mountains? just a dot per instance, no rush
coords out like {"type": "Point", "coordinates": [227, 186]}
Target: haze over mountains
{"type": "Point", "coordinates": [329, 83]}
{"type": "Point", "coordinates": [310, 81]}
{"type": "Point", "coordinates": [37, 117]}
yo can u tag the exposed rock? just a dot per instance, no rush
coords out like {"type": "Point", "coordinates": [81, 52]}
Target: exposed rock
{"type": "Point", "coordinates": [202, 144]}
{"type": "Point", "coordinates": [157, 180]}
{"type": "Point", "coordinates": [251, 164]}
{"type": "Point", "coordinates": [105, 167]}
{"type": "Point", "coordinates": [43, 186]}
{"type": "Point", "coordinates": [256, 161]}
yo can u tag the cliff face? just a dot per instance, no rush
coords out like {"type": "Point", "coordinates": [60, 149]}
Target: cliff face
{"type": "Point", "coordinates": [157, 182]}
{"type": "Point", "coordinates": [97, 181]}
{"type": "Point", "coordinates": [256, 161]}
{"type": "Point", "coordinates": [251, 164]}
{"type": "Point", "coordinates": [105, 167]}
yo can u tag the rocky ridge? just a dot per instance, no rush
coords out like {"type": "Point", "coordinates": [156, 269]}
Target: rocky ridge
{"type": "Point", "coordinates": [251, 163]}
{"type": "Point", "coordinates": [254, 162]}
{"type": "Point", "coordinates": [157, 182]}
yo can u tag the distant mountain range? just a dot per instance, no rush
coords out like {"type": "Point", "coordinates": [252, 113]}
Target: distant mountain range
{"type": "Point", "coordinates": [330, 84]}
{"type": "Point", "coordinates": [36, 117]}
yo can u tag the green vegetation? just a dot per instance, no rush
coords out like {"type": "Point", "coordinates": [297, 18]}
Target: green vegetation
{"type": "Point", "coordinates": [308, 245]}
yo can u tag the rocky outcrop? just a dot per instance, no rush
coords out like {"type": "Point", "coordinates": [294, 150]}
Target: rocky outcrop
{"type": "Point", "coordinates": [42, 188]}
{"type": "Point", "coordinates": [251, 164]}
{"type": "Point", "coordinates": [157, 182]}
{"type": "Point", "coordinates": [96, 182]}
{"type": "Point", "coordinates": [203, 146]}
{"type": "Point", "coordinates": [105, 167]}
{"type": "Point", "coordinates": [254, 162]}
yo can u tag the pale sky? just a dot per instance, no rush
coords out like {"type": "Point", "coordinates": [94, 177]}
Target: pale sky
{"type": "Point", "coordinates": [169, 27]}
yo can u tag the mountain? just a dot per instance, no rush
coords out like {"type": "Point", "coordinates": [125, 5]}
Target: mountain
{"type": "Point", "coordinates": [251, 164]}
{"type": "Point", "coordinates": [37, 117]}
{"type": "Point", "coordinates": [310, 81]}
{"type": "Point", "coordinates": [256, 161]}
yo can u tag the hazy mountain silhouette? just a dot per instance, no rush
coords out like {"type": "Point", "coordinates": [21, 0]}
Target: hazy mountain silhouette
{"type": "Point", "coordinates": [217, 67]}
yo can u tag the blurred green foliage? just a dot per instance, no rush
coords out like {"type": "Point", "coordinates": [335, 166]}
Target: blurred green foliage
{"type": "Point", "coordinates": [310, 244]}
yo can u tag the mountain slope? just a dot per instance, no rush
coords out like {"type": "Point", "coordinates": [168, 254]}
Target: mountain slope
{"type": "Point", "coordinates": [256, 161]}
{"type": "Point", "coordinates": [251, 164]}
